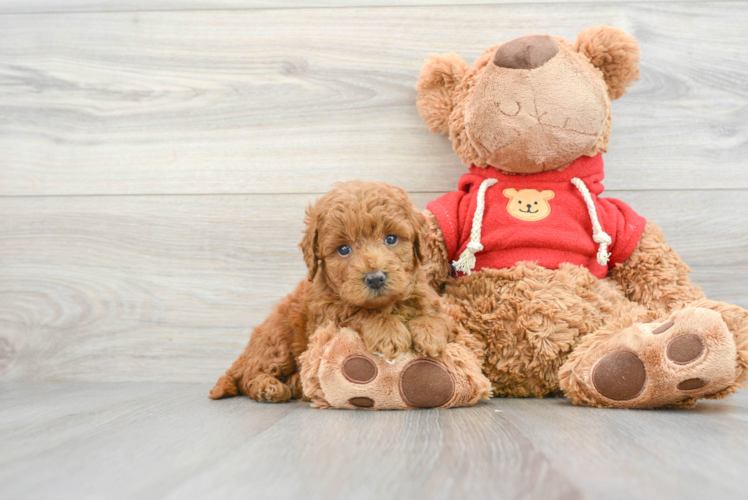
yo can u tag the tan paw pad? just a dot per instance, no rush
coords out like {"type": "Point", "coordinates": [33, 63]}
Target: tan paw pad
{"type": "Point", "coordinates": [359, 369]}
{"type": "Point", "coordinates": [619, 376]}
{"type": "Point", "coordinates": [691, 384]}
{"type": "Point", "coordinates": [663, 328]}
{"type": "Point", "coordinates": [426, 384]}
{"type": "Point", "coordinates": [362, 402]}
{"type": "Point", "coordinates": [685, 349]}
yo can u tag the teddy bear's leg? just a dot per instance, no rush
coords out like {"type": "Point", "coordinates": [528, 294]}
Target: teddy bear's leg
{"type": "Point", "coordinates": [695, 352]}
{"type": "Point", "coordinates": [337, 371]}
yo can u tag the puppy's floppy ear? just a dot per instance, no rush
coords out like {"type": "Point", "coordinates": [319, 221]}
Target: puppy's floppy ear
{"type": "Point", "coordinates": [414, 216]}
{"type": "Point", "coordinates": [436, 84]}
{"type": "Point", "coordinates": [421, 227]}
{"type": "Point", "coordinates": [613, 51]}
{"type": "Point", "coordinates": [309, 243]}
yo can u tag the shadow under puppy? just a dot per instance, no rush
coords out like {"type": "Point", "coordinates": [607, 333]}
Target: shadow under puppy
{"type": "Point", "coordinates": [379, 338]}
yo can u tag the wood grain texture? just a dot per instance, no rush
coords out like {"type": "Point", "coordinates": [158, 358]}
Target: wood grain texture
{"type": "Point", "coordinates": [168, 287]}
{"type": "Point", "coordinates": [62, 6]}
{"type": "Point", "coordinates": [291, 100]}
{"type": "Point", "coordinates": [129, 440]}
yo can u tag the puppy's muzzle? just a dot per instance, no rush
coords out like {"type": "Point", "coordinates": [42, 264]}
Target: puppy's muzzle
{"type": "Point", "coordinates": [375, 280]}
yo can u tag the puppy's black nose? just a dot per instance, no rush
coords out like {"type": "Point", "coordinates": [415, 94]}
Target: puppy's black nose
{"type": "Point", "coordinates": [375, 280]}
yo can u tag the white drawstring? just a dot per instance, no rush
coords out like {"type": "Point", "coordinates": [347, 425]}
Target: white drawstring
{"type": "Point", "coordinates": [598, 235]}
{"type": "Point", "coordinates": [466, 262]}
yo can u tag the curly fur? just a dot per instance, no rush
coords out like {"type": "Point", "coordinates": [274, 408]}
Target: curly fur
{"type": "Point", "coordinates": [402, 316]}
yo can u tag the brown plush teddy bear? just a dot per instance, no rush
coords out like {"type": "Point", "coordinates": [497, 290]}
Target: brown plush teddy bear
{"type": "Point", "coordinates": [571, 293]}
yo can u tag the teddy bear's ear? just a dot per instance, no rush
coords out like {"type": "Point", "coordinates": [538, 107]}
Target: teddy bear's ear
{"type": "Point", "coordinates": [510, 193]}
{"type": "Point", "coordinates": [613, 51]}
{"type": "Point", "coordinates": [439, 76]}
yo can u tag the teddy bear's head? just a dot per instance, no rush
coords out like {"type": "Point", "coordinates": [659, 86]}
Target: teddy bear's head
{"type": "Point", "coordinates": [533, 104]}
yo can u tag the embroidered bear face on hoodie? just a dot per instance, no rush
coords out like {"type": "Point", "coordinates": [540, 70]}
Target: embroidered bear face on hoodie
{"type": "Point", "coordinates": [548, 218]}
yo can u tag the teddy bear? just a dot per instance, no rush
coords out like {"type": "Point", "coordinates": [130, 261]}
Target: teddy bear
{"type": "Point", "coordinates": [569, 293]}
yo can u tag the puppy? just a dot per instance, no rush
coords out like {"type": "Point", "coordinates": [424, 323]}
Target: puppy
{"type": "Point", "coordinates": [363, 248]}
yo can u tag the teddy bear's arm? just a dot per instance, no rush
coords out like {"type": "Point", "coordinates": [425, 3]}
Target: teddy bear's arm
{"type": "Point", "coordinates": [436, 255]}
{"type": "Point", "coordinates": [654, 275]}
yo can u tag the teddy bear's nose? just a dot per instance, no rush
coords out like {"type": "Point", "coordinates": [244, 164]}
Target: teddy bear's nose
{"type": "Point", "coordinates": [527, 52]}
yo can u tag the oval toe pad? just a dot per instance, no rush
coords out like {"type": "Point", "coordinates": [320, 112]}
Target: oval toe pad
{"type": "Point", "coordinates": [426, 384]}
{"type": "Point", "coordinates": [619, 376]}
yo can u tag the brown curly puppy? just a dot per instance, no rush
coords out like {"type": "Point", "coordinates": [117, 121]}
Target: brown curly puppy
{"type": "Point", "coordinates": [362, 245]}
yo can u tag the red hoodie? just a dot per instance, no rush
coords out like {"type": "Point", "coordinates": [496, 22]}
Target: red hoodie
{"type": "Point", "coordinates": [541, 217]}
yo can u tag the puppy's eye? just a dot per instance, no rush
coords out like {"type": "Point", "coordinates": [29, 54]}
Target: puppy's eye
{"type": "Point", "coordinates": [344, 251]}
{"type": "Point", "coordinates": [391, 240]}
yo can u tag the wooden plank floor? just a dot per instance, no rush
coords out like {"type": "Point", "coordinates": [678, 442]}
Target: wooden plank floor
{"type": "Point", "coordinates": [151, 440]}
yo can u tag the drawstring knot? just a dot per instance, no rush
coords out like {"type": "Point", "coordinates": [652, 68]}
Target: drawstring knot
{"type": "Point", "coordinates": [474, 247]}
{"type": "Point", "coordinates": [598, 235]}
{"type": "Point", "coordinates": [466, 262]}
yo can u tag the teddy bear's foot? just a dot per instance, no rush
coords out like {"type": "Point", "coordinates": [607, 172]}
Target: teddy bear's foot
{"type": "Point", "coordinates": [423, 383]}
{"type": "Point", "coordinates": [689, 355]}
{"type": "Point", "coordinates": [348, 376]}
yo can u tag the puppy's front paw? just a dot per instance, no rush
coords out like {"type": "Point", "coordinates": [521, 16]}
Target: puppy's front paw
{"type": "Point", "coordinates": [389, 337]}
{"type": "Point", "coordinates": [430, 335]}
{"type": "Point", "coordinates": [392, 348]}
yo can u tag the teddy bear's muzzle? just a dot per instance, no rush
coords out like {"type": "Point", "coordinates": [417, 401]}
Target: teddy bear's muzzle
{"type": "Point", "coordinates": [512, 122]}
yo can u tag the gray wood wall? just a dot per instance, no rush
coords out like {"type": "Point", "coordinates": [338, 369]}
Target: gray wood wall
{"type": "Point", "coordinates": [156, 156]}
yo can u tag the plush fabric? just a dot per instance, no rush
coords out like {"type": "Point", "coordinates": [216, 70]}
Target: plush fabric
{"type": "Point", "coordinates": [562, 235]}
{"type": "Point", "coordinates": [635, 333]}
{"type": "Point", "coordinates": [551, 114]}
